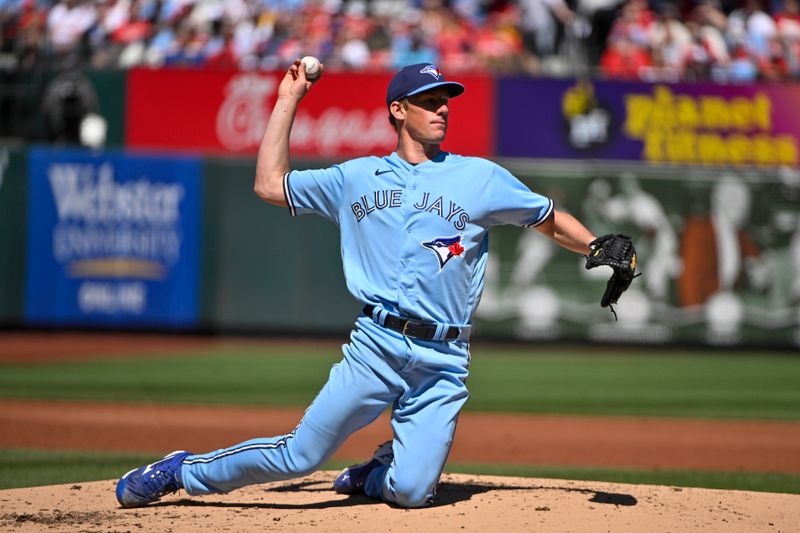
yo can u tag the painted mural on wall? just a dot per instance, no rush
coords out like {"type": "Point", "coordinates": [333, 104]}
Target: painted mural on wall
{"type": "Point", "coordinates": [720, 259]}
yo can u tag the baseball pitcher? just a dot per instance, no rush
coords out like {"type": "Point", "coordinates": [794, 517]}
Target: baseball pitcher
{"type": "Point", "coordinates": [414, 238]}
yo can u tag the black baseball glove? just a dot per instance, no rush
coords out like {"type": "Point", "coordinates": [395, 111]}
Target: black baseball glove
{"type": "Point", "coordinates": [616, 251]}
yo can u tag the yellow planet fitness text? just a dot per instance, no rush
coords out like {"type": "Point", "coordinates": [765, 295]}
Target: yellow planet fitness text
{"type": "Point", "coordinates": [707, 130]}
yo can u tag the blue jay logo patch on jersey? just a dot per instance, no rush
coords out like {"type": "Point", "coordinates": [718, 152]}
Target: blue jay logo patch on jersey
{"type": "Point", "coordinates": [432, 70]}
{"type": "Point", "coordinates": [445, 248]}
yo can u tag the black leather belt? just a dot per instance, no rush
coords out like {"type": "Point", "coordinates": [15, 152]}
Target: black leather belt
{"type": "Point", "coordinates": [413, 328]}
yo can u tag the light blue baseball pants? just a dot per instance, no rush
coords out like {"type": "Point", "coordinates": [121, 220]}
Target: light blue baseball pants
{"type": "Point", "coordinates": [423, 381]}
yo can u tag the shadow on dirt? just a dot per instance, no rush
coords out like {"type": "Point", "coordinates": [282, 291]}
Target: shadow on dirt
{"type": "Point", "coordinates": [447, 494]}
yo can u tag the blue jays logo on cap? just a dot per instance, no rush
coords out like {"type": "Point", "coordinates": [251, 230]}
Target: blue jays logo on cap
{"type": "Point", "coordinates": [432, 70]}
{"type": "Point", "coordinates": [445, 248]}
{"type": "Point", "coordinates": [415, 79]}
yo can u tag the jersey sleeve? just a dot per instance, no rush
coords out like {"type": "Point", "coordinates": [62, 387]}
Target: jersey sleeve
{"type": "Point", "coordinates": [314, 191]}
{"type": "Point", "coordinates": [512, 202]}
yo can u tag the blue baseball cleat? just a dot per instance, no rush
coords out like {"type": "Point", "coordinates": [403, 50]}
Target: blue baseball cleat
{"type": "Point", "coordinates": [149, 483]}
{"type": "Point", "coordinates": [351, 480]}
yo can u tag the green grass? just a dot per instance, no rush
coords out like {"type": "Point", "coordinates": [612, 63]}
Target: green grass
{"type": "Point", "coordinates": [536, 380]}
{"type": "Point", "coordinates": [30, 468]}
{"type": "Point", "coordinates": [239, 376]}
{"type": "Point", "coordinates": [681, 384]}
{"type": "Point", "coordinates": [27, 468]}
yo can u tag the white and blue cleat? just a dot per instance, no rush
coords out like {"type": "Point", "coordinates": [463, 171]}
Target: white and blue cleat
{"type": "Point", "coordinates": [351, 480]}
{"type": "Point", "coordinates": [149, 483]}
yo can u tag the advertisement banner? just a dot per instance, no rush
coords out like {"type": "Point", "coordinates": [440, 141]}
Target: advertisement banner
{"type": "Point", "coordinates": [697, 124]}
{"type": "Point", "coordinates": [113, 239]}
{"type": "Point", "coordinates": [344, 115]}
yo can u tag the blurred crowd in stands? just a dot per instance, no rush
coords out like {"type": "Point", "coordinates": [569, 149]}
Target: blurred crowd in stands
{"type": "Point", "coordinates": [736, 40]}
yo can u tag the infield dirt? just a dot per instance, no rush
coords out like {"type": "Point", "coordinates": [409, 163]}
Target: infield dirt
{"type": "Point", "coordinates": [464, 503]}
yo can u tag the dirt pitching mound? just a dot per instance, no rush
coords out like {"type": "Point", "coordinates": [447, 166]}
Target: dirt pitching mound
{"type": "Point", "coordinates": [464, 503]}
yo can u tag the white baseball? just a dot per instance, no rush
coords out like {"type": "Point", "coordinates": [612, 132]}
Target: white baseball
{"type": "Point", "coordinates": [312, 67]}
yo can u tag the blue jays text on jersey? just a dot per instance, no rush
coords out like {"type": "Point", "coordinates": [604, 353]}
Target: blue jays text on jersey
{"type": "Point", "coordinates": [378, 200]}
{"type": "Point", "coordinates": [390, 212]}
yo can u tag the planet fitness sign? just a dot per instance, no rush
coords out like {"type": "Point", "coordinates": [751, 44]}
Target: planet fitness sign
{"type": "Point", "coordinates": [672, 124]}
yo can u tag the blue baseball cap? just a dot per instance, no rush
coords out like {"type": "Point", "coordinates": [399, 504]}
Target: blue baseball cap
{"type": "Point", "coordinates": [418, 78]}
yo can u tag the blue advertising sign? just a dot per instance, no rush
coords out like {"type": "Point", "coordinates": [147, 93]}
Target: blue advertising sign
{"type": "Point", "coordinates": [113, 239]}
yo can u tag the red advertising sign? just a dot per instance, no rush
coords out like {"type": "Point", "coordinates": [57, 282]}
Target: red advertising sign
{"type": "Point", "coordinates": [344, 115]}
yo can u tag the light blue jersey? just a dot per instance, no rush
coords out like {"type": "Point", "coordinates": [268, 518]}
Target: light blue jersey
{"type": "Point", "coordinates": [414, 238]}
{"type": "Point", "coordinates": [414, 242]}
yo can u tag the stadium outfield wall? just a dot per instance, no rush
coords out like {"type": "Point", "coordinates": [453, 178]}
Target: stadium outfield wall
{"type": "Point", "coordinates": [153, 235]}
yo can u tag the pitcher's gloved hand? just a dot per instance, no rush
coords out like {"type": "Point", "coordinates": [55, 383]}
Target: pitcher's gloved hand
{"type": "Point", "coordinates": [616, 251]}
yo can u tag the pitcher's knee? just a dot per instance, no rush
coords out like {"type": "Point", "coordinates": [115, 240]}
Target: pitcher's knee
{"type": "Point", "coordinates": [412, 494]}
